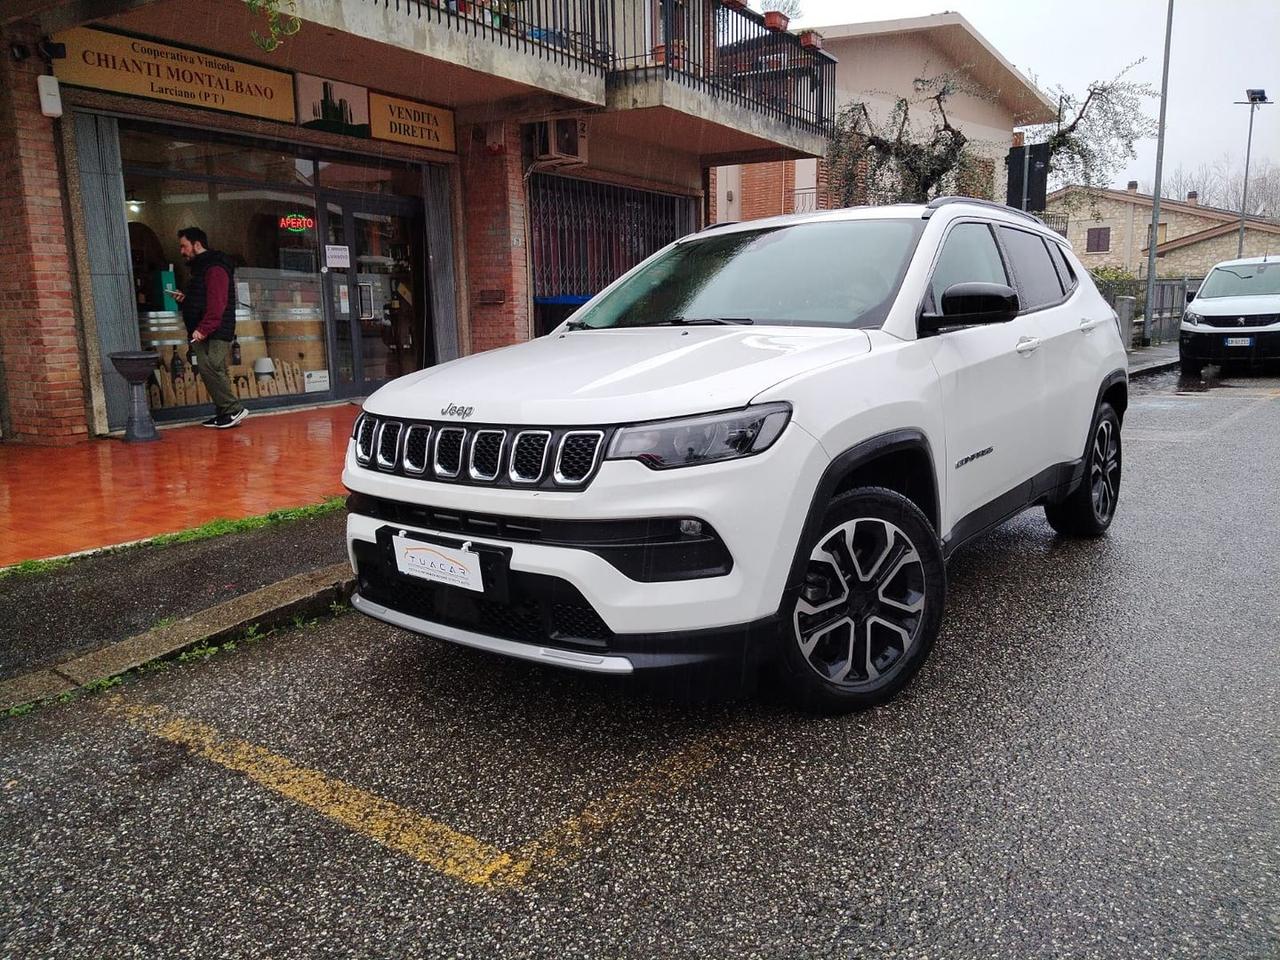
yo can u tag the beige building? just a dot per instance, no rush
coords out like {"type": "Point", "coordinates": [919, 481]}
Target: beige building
{"type": "Point", "coordinates": [878, 63]}
{"type": "Point", "coordinates": [1109, 228]}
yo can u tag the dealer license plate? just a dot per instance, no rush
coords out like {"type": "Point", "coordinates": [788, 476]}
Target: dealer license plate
{"type": "Point", "coordinates": [431, 561]}
{"type": "Point", "coordinates": [1239, 341]}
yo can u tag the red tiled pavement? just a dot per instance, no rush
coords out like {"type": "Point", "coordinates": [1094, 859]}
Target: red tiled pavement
{"type": "Point", "coordinates": [58, 500]}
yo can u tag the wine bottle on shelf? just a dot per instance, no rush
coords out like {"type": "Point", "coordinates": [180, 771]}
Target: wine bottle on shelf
{"type": "Point", "coordinates": [235, 353]}
{"type": "Point", "coordinates": [191, 357]}
{"type": "Point", "coordinates": [176, 368]}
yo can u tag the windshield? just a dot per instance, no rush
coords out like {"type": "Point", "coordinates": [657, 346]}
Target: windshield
{"type": "Point", "coordinates": [1242, 280]}
{"type": "Point", "coordinates": [831, 274]}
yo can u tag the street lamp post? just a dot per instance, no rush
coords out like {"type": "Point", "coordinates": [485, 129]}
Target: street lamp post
{"type": "Point", "coordinates": [1253, 99]}
{"type": "Point", "coordinates": [1148, 330]}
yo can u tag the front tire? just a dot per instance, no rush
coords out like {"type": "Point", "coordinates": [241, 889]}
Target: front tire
{"type": "Point", "coordinates": [869, 606]}
{"type": "Point", "coordinates": [1090, 508]}
{"type": "Point", "coordinates": [1190, 368]}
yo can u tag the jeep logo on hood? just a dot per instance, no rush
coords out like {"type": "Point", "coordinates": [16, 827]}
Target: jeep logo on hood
{"type": "Point", "coordinates": [453, 410]}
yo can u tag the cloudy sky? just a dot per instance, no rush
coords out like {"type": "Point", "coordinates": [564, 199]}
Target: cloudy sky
{"type": "Point", "coordinates": [1219, 48]}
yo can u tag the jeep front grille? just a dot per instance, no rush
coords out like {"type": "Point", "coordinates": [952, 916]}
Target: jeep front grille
{"type": "Point", "coordinates": [481, 455]}
{"type": "Point", "coordinates": [388, 444]}
{"type": "Point", "coordinates": [577, 455]}
{"type": "Point", "coordinates": [529, 456]}
{"type": "Point", "coordinates": [449, 451]}
{"type": "Point", "coordinates": [365, 433]}
{"type": "Point", "coordinates": [417, 447]}
{"type": "Point", "coordinates": [486, 454]}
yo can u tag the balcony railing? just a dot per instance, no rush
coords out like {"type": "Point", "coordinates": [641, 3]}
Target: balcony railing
{"type": "Point", "coordinates": [727, 52]}
{"type": "Point", "coordinates": [567, 32]}
{"type": "Point", "coordinates": [706, 44]}
{"type": "Point", "coordinates": [804, 200]}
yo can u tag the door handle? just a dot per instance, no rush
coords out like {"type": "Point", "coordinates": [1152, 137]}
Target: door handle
{"type": "Point", "coordinates": [1088, 326]}
{"type": "Point", "coordinates": [1028, 345]}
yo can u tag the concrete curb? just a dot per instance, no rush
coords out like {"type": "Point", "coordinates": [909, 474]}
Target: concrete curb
{"type": "Point", "coordinates": [1155, 366]}
{"type": "Point", "coordinates": [305, 594]}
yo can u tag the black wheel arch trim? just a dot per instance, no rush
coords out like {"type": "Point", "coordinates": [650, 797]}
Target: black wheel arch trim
{"type": "Point", "coordinates": [1109, 381]}
{"type": "Point", "coordinates": [859, 455]}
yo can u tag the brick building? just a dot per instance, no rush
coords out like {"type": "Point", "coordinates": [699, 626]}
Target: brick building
{"type": "Point", "coordinates": [398, 184]}
{"type": "Point", "coordinates": [1110, 228]}
{"type": "Point", "coordinates": [876, 63]}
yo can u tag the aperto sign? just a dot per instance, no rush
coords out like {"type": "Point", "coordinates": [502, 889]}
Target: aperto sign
{"type": "Point", "coordinates": [297, 222]}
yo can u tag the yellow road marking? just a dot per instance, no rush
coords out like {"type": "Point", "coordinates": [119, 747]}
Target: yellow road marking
{"type": "Point", "coordinates": [406, 831]}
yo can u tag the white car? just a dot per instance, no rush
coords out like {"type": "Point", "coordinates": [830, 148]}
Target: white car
{"type": "Point", "coordinates": [759, 445]}
{"type": "Point", "coordinates": [1234, 317]}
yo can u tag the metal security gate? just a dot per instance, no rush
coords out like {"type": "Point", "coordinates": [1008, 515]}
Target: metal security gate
{"type": "Point", "coordinates": [586, 234]}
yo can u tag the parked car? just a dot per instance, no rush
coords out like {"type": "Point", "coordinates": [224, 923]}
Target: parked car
{"type": "Point", "coordinates": [1234, 318]}
{"type": "Point", "coordinates": [761, 444]}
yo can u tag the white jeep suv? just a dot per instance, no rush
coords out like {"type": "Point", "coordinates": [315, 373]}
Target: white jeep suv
{"type": "Point", "coordinates": [760, 444]}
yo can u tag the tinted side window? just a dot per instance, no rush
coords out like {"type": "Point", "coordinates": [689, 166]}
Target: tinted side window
{"type": "Point", "coordinates": [1038, 283]}
{"type": "Point", "coordinates": [969, 254]}
{"type": "Point", "coordinates": [1065, 274]}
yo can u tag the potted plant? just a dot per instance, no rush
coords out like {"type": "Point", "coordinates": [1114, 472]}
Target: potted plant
{"type": "Point", "coordinates": [811, 39]}
{"type": "Point", "coordinates": [776, 20]}
{"type": "Point", "coordinates": [677, 53]}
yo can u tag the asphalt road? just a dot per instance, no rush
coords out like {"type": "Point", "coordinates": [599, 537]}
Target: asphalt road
{"type": "Point", "coordinates": [1086, 767]}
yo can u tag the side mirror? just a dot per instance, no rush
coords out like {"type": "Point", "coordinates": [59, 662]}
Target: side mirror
{"type": "Point", "coordinates": [970, 304]}
{"type": "Point", "coordinates": [1191, 295]}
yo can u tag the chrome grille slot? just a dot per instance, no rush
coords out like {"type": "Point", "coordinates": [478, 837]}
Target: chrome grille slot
{"type": "Point", "coordinates": [577, 456]}
{"type": "Point", "coordinates": [449, 442]}
{"type": "Point", "coordinates": [417, 442]}
{"type": "Point", "coordinates": [365, 433]}
{"type": "Point", "coordinates": [486, 454]}
{"type": "Point", "coordinates": [388, 444]}
{"type": "Point", "coordinates": [529, 456]}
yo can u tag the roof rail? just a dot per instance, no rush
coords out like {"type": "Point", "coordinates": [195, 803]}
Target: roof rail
{"type": "Point", "coordinates": [717, 225]}
{"type": "Point", "coordinates": [938, 202]}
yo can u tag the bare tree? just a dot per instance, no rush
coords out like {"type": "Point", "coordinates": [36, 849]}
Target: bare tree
{"type": "Point", "coordinates": [790, 7]}
{"type": "Point", "coordinates": [1221, 184]}
{"type": "Point", "coordinates": [1096, 131]}
{"type": "Point", "coordinates": [899, 158]}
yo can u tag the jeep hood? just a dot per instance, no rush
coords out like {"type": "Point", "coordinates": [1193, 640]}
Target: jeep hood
{"type": "Point", "coordinates": [616, 376]}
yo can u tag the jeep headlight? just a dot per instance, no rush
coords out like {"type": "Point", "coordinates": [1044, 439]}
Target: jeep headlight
{"type": "Point", "coordinates": [705, 439]}
{"type": "Point", "coordinates": [1192, 318]}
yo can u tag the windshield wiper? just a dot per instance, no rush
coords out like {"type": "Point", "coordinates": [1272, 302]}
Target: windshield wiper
{"type": "Point", "coordinates": [692, 321]}
{"type": "Point", "coordinates": [577, 325]}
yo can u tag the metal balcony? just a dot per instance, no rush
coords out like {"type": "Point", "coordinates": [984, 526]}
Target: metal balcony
{"type": "Point", "coordinates": [706, 45]}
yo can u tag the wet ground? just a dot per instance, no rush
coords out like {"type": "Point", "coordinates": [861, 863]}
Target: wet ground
{"type": "Point", "coordinates": [1086, 767]}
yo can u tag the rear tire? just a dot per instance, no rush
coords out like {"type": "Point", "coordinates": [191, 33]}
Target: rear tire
{"type": "Point", "coordinates": [869, 608]}
{"type": "Point", "coordinates": [1090, 508]}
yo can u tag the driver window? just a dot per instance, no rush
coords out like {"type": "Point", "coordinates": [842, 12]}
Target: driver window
{"type": "Point", "coordinates": [968, 255]}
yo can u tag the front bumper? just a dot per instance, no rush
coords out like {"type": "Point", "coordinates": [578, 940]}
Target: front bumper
{"type": "Point", "coordinates": [1210, 344]}
{"type": "Point", "coordinates": [757, 506]}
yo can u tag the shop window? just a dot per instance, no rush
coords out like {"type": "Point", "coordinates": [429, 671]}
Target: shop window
{"type": "Point", "coordinates": [272, 238]}
{"type": "Point", "coordinates": [141, 147]}
{"type": "Point", "coordinates": [356, 177]}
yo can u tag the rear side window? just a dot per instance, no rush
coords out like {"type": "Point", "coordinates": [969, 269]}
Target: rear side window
{"type": "Point", "coordinates": [1038, 283]}
{"type": "Point", "coordinates": [1065, 274]}
{"type": "Point", "coordinates": [969, 255]}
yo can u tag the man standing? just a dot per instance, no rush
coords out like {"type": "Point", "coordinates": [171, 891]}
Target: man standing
{"type": "Point", "coordinates": [209, 311]}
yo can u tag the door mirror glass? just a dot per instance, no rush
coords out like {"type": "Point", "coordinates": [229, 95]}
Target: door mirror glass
{"type": "Point", "coordinates": [1191, 295]}
{"type": "Point", "coordinates": [971, 303]}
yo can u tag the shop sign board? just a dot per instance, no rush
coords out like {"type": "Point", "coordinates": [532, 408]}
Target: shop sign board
{"type": "Point", "coordinates": [408, 121]}
{"type": "Point", "coordinates": [159, 71]}
{"type": "Point", "coordinates": [337, 256]}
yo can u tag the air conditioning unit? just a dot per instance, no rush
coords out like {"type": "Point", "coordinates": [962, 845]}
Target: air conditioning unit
{"type": "Point", "coordinates": [563, 142]}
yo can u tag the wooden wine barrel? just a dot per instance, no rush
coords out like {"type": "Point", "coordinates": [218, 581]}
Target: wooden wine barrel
{"type": "Point", "coordinates": [297, 334]}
